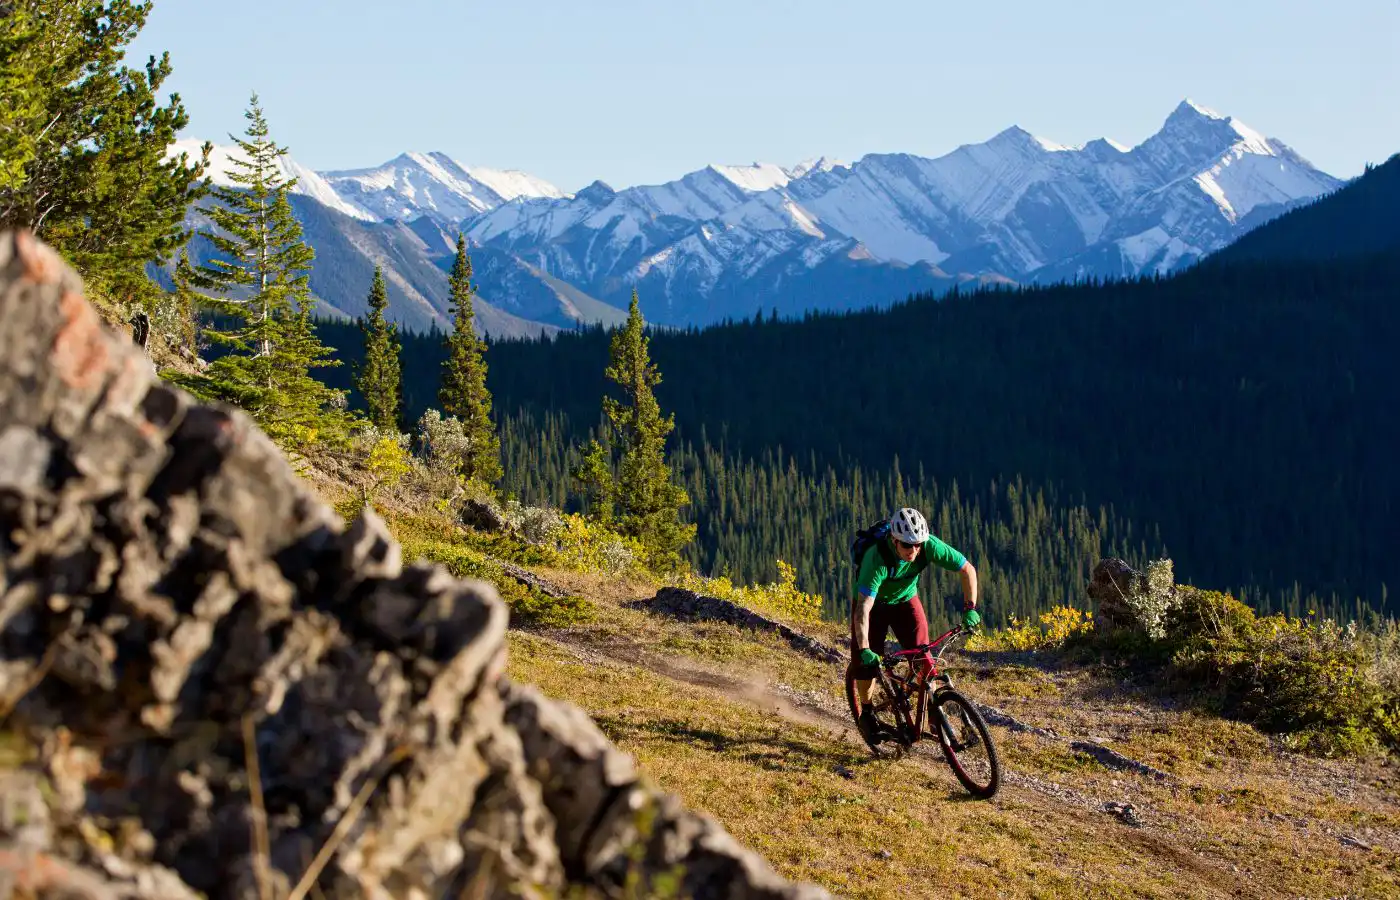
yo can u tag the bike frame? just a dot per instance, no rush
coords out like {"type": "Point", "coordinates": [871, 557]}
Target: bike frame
{"type": "Point", "coordinates": [916, 684]}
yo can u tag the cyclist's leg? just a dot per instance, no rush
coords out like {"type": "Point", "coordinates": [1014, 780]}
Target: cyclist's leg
{"type": "Point", "coordinates": [911, 628]}
{"type": "Point", "coordinates": [879, 627]}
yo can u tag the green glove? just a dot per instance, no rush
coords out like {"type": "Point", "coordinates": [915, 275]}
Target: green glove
{"type": "Point", "coordinates": [971, 619]}
{"type": "Point", "coordinates": [869, 657]}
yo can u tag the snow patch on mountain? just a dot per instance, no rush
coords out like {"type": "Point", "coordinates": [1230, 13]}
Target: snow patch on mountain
{"type": "Point", "coordinates": [755, 177]}
{"type": "Point", "coordinates": [818, 164]}
{"type": "Point", "coordinates": [222, 162]}
{"type": "Point", "coordinates": [1250, 180]}
{"type": "Point", "coordinates": [435, 184]}
{"type": "Point", "coordinates": [512, 183]}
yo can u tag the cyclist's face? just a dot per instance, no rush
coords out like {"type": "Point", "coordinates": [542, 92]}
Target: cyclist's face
{"type": "Point", "coordinates": [906, 552]}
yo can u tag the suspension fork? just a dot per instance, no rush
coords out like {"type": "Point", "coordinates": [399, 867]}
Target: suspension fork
{"type": "Point", "coordinates": [931, 690]}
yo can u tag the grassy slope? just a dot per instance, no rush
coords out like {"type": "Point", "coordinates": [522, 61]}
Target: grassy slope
{"type": "Point", "coordinates": [751, 733]}
{"type": "Point", "coordinates": [740, 727]}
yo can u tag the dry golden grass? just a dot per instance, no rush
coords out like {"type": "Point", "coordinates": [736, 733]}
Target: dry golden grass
{"type": "Point", "coordinates": [1214, 831]}
{"type": "Point", "coordinates": [704, 709]}
{"type": "Point", "coordinates": [774, 785]}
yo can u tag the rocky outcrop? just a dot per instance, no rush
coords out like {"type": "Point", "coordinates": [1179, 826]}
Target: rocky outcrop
{"type": "Point", "coordinates": [1112, 759]}
{"type": "Point", "coordinates": [483, 515]}
{"type": "Point", "coordinates": [229, 692]}
{"type": "Point", "coordinates": [1111, 583]}
{"type": "Point", "coordinates": [683, 604]}
{"type": "Point", "coordinates": [1125, 598]}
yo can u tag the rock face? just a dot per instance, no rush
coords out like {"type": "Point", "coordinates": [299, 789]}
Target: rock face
{"type": "Point", "coordinates": [231, 693]}
{"type": "Point", "coordinates": [684, 604]}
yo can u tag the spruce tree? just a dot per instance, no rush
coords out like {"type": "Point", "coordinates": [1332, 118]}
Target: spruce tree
{"type": "Point", "coordinates": [83, 142]}
{"type": "Point", "coordinates": [259, 279]}
{"type": "Point", "coordinates": [647, 502]}
{"type": "Point", "coordinates": [463, 392]}
{"type": "Point", "coordinates": [594, 478]}
{"type": "Point", "coordinates": [379, 377]}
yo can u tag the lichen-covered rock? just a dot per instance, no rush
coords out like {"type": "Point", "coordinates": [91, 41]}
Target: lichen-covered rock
{"type": "Point", "coordinates": [207, 658]}
{"type": "Point", "coordinates": [1125, 598]}
{"type": "Point", "coordinates": [1110, 585]}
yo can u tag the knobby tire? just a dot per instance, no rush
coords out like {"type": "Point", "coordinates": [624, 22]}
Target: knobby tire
{"type": "Point", "coordinates": [939, 726]}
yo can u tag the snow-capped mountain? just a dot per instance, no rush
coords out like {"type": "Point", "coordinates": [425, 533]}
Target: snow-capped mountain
{"type": "Point", "coordinates": [309, 183]}
{"type": "Point", "coordinates": [1016, 205]}
{"type": "Point", "coordinates": [436, 185]}
{"type": "Point", "coordinates": [729, 240]}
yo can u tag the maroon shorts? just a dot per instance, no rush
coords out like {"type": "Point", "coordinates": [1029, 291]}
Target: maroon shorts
{"type": "Point", "coordinates": [908, 622]}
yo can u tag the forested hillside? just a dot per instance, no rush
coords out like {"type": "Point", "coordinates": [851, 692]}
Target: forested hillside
{"type": "Point", "coordinates": [1359, 219]}
{"type": "Point", "coordinates": [1247, 412]}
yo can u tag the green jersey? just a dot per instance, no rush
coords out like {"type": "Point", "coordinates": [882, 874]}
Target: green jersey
{"type": "Point", "coordinates": [896, 583]}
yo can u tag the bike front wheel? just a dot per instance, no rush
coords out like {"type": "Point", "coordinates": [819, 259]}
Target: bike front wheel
{"type": "Point", "coordinates": [966, 742]}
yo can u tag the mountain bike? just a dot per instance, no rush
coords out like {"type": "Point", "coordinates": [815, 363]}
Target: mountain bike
{"type": "Point", "coordinates": [911, 708]}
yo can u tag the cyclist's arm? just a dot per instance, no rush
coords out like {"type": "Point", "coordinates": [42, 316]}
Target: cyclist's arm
{"type": "Point", "coordinates": [945, 557]}
{"type": "Point", "coordinates": [860, 622]}
{"type": "Point", "coordinates": [868, 580]}
{"type": "Point", "coordinates": [969, 584]}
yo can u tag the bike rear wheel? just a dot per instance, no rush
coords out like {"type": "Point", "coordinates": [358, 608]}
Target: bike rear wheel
{"type": "Point", "coordinates": [885, 706]}
{"type": "Point", "coordinates": [966, 742]}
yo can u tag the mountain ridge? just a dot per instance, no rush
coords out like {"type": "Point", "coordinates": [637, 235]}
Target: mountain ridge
{"type": "Point", "coordinates": [724, 240]}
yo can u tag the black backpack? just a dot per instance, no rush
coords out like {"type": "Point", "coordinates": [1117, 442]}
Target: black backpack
{"type": "Point", "coordinates": [876, 535]}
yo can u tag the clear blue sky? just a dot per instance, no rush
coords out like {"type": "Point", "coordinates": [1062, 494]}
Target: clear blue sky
{"type": "Point", "coordinates": [643, 91]}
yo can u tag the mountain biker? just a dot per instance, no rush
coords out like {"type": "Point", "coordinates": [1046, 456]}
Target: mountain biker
{"type": "Point", "coordinates": [886, 598]}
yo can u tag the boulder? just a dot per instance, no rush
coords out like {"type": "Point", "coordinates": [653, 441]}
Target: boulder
{"type": "Point", "coordinates": [482, 515]}
{"type": "Point", "coordinates": [1112, 582]}
{"type": "Point", "coordinates": [230, 692]}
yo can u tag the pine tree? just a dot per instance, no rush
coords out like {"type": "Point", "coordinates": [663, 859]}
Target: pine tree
{"type": "Point", "coordinates": [647, 502]}
{"type": "Point", "coordinates": [594, 477]}
{"type": "Point", "coordinates": [259, 277]}
{"type": "Point", "coordinates": [380, 375]}
{"type": "Point", "coordinates": [83, 142]}
{"type": "Point", "coordinates": [463, 392]}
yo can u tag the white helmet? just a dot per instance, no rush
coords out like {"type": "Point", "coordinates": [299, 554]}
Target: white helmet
{"type": "Point", "coordinates": [908, 525]}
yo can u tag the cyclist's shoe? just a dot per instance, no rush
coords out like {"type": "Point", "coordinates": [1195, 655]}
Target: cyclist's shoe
{"type": "Point", "coordinates": [869, 725]}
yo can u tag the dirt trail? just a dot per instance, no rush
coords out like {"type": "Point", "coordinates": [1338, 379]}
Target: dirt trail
{"type": "Point", "coordinates": [821, 712]}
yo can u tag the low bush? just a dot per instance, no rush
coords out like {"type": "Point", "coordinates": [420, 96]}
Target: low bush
{"type": "Point", "coordinates": [590, 547]}
{"type": "Point", "coordinates": [1051, 632]}
{"type": "Point", "coordinates": [528, 606]}
{"type": "Point", "coordinates": [1319, 684]}
{"type": "Point", "coordinates": [1327, 689]}
{"type": "Point", "coordinates": [536, 524]}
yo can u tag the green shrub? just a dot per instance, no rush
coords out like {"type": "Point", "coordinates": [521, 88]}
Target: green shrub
{"type": "Point", "coordinates": [1155, 600]}
{"type": "Point", "coordinates": [508, 546]}
{"type": "Point", "coordinates": [1312, 681]}
{"type": "Point", "coordinates": [1205, 615]}
{"type": "Point", "coordinates": [536, 524]}
{"type": "Point", "coordinates": [528, 606]}
{"type": "Point", "coordinates": [590, 547]}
